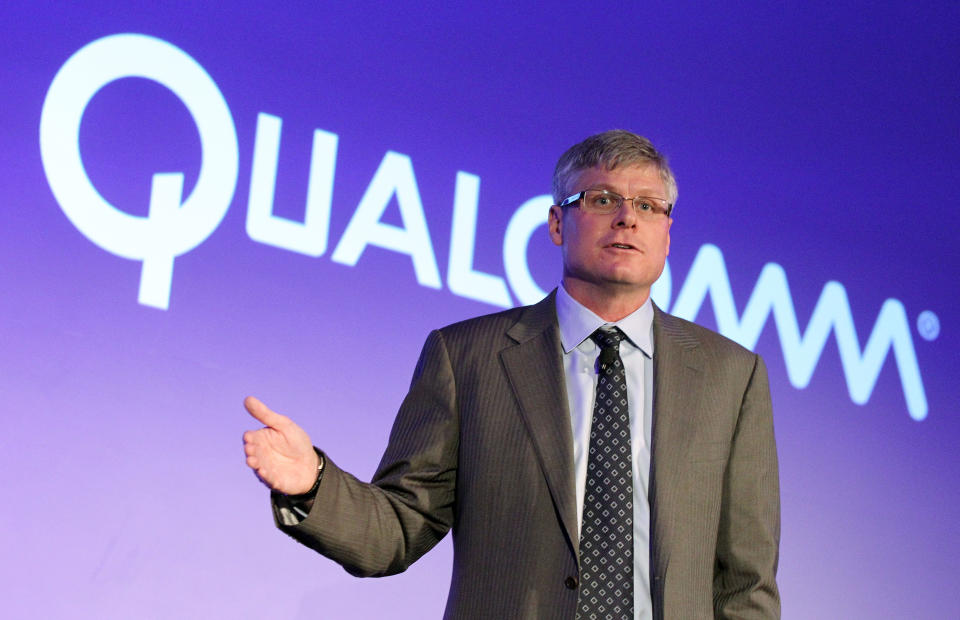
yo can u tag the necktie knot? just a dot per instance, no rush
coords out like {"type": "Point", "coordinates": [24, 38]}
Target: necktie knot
{"type": "Point", "coordinates": [608, 338]}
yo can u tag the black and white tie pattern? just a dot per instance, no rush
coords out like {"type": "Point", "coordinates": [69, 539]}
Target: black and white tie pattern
{"type": "Point", "coordinates": [606, 533]}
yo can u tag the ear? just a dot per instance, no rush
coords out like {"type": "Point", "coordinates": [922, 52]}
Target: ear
{"type": "Point", "coordinates": [555, 223]}
{"type": "Point", "coordinates": [669, 224]}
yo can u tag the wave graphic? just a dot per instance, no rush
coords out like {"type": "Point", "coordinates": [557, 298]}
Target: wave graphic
{"type": "Point", "coordinates": [802, 351]}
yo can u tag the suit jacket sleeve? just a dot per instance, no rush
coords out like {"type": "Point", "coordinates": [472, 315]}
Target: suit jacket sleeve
{"type": "Point", "coordinates": [749, 529]}
{"type": "Point", "coordinates": [381, 527]}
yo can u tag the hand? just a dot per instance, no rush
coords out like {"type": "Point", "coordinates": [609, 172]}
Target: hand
{"type": "Point", "coordinates": [280, 453]}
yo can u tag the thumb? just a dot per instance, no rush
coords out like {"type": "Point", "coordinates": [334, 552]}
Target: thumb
{"type": "Point", "coordinates": [261, 412]}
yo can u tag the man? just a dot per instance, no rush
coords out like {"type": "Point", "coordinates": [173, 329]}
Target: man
{"type": "Point", "coordinates": [594, 456]}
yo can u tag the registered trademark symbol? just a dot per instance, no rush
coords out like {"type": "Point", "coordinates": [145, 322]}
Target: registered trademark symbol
{"type": "Point", "coordinates": [928, 325]}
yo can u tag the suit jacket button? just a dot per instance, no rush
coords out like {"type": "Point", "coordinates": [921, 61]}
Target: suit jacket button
{"type": "Point", "coordinates": [571, 583]}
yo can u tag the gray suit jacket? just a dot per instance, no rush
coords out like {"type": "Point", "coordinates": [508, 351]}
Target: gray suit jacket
{"type": "Point", "coordinates": [482, 444]}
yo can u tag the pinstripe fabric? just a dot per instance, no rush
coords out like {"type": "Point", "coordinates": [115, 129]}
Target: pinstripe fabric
{"type": "Point", "coordinates": [482, 445]}
{"type": "Point", "coordinates": [715, 500]}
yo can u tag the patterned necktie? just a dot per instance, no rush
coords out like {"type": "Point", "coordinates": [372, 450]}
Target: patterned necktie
{"type": "Point", "coordinates": [606, 533]}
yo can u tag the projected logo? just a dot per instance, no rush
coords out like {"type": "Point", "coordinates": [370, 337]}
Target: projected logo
{"type": "Point", "coordinates": [175, 225]}
{"type": "Point", "coordinates": [801, 351]}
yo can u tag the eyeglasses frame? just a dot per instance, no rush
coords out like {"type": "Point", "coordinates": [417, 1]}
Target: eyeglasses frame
{"type": "Point", "coordinates": [579, 196]}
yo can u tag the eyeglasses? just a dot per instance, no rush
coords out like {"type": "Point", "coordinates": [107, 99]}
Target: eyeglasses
{"type": "Point", "coordinates": [604, 202]}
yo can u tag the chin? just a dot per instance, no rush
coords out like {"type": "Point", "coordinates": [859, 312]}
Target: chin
{"type": "Point", "coordinates": [626, 277]}
{"type": "Point", "coordinates": [625, 284]}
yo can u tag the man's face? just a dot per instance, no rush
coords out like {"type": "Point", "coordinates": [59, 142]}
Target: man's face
{"type": "Point", "coordinates": [616, 253]}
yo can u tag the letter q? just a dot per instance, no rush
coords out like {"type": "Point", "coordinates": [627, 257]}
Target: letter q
{"type": "Point", "coordinates": [173, 226]}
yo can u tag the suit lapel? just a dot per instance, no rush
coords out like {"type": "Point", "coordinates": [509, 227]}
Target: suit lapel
{"type": "Point", "coordinates": [677, 374]}
{"type": "Point", "coordinates": [534, 368]}
{"type": "Point", "coordinates": [535, 371]}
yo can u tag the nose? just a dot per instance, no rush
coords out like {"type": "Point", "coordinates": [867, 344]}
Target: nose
{"type": "Point", "coordinates": [626, 215]}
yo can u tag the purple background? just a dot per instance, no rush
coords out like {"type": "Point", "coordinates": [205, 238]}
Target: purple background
{"type": "Point", "coordinates": [822, 137]}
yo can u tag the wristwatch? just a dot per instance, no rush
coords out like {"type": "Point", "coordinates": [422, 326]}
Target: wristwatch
{"type": "Point", "coordinates": [302, 497]}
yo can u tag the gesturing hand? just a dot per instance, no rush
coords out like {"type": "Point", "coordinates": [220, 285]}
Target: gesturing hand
{"type": "Point", "coordinates": [280, 453]}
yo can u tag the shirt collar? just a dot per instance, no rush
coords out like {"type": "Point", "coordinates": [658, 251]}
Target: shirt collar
{"type": "Point", "coordinates": [577, 322]}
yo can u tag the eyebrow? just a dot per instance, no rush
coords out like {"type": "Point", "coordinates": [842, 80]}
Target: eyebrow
{"type": "Point", "coordinates": [603, 186]}
{"type": "Point", "coordinates": [609, 188]}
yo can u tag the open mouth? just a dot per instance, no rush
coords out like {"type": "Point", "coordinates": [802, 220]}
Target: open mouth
{"type": "Point", "coordinates": [622, 246]}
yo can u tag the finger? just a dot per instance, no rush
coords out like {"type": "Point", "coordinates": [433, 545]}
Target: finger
{"type": "Point", "coordinates": [254, 440]}
{"type": "Point", "coordinates": [260, 480]}
{"type": "Point", "coordinates": [262, 413]}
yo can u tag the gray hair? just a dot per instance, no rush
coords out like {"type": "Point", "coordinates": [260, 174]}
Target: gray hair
{"type": "Point", "coordinates": [612, 149]}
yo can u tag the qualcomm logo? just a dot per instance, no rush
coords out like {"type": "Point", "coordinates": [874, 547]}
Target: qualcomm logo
{"type": "Point", "coordinates": [801, 352]}
{"type": "Point", "coordinates": [176, 224]}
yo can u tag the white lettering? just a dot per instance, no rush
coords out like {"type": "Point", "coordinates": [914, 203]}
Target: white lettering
{"type": "Point", "coordinates": [708, 275]}
{"type": "Point", "coordinates": [393, 177]}
{"type": "Point", "coordinates": [310, 236]}
{"type": "Point", "coordinates": [179, 228]}
{"type": "Point", "coordinates": [530, 216]}
{"type": "Point", "coordinates": [176, 225]}
{"type": "Point", "coordinates": [156, 272]}
{"type": "Point", "coordinates": [461, 278]}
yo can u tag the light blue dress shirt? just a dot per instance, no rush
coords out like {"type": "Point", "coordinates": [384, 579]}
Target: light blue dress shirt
{"type": "Point", "coordinates": [580, 370]}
